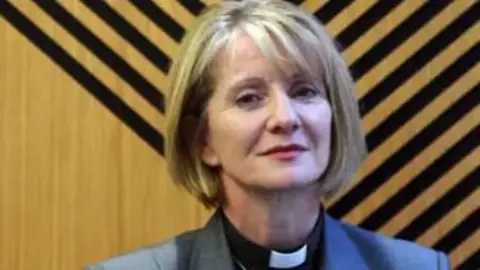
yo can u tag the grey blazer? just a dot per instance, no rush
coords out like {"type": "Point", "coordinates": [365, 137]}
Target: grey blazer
{"type": "Point", "coordinates": [346, 247]}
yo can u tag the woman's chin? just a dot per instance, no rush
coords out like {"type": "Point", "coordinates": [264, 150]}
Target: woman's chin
{"type": "Point", "coordinates": [284, 184]}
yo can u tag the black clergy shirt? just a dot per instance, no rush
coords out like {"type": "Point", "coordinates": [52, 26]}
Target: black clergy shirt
{"type": "Point", "coordinates": [250, 256]}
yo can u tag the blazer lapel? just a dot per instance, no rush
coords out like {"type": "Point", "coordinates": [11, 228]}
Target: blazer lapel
{"type": "Point", "coordinates": [339, 251]}
{"type": "Point", "coordinates": [210, 250]}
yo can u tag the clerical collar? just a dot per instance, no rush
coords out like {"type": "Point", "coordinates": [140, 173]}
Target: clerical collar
{"type": "Point", "coordinates": [253, 256]}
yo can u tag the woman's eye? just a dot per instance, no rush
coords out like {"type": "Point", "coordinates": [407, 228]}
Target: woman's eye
{"type": "Point", "coordinates": [306, 92]}
{"type": "Point", "coordinates": [248, 100]}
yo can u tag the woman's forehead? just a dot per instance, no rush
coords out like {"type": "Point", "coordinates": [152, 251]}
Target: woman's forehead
{"type": "Point", "coordinates": [243, 57]}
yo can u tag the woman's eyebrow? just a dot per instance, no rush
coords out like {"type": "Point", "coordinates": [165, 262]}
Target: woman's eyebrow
{"type": "Point", "coordinates": [236, 85]}
{"type": "Point", "coordinates": [245, 82]}
{"type": "Point", "coordinates": [297, 76]}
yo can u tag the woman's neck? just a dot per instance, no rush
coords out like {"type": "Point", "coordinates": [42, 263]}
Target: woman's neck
{"type": "Point", "coordinates": [280, 220]}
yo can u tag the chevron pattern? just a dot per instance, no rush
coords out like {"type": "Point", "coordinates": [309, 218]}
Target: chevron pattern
{"type": "Point", "coordinates": [416, 68]}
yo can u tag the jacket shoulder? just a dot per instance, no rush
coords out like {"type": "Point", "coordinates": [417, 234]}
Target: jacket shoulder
{"type": "Point", "coordinates": [171, 254]}
{"type": "Point", "coordinates": [398, 254]}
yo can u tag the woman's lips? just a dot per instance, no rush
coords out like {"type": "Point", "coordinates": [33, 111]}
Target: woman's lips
{"type": "Point", "coordinates": [286, 152]}
{"type": "Point", "coordinates": [287, 155]}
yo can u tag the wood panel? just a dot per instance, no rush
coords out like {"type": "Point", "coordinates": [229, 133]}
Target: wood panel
{"type": "Point", "coordinates": [82, 174]}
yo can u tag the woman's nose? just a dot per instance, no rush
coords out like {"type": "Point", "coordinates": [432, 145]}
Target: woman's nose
{"type": "Point", "coordinates": [283, 117]}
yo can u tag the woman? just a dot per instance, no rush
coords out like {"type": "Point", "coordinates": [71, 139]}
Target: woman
{"type": "Point", "coordinates": [262, 125]}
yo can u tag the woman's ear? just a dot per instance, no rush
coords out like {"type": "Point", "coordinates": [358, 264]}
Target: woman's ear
{"type": "Point", "coordinates": [209, 156]}
{"type": "Point", "coordinates": [198, 136]}
{"type": "Point", "coordinates": [207, 149]}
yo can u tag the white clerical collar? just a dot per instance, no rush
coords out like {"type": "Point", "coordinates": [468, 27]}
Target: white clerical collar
{"type": "Point", "coordinates": [288, 260]}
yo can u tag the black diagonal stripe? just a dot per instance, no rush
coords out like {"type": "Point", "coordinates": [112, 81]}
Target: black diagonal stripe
{"type": "Point", "coordinates": [104, 53]}
{"type": "Point", "coordinates": [422, 98]}
{"type": "Point", "coordinates": [130, 33]}
{"type": "Point", "coordinates": [423, 181]}
{"type": "Point", "coordinates": [331, 9]}
{"type": "Point", "coordinates": [446, 203]}
{"type": "Point", "coordinates": [296, 2]}
{"type": "Point", "coordinates": [399, 35]}
{"type": "Point", "coordinates": [90, 83]}
{"type": "Point", "coordinates": [419, 59]}
{"type": "Point", "coordinates": [368, 19]}
{"type": "Point", "coordinates": [160, 18]}
{"type": "Point", "coordinates": [396, 161]}
{"type": "Point", "coordinates": [462, 231]}
{"type": "Point", "coordinates": [472, 262]}
{"type": "Point", "coordinates": [194, 6]}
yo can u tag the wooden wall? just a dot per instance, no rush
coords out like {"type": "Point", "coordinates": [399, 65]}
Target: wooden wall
{"type": "Point", "coordinates": [82, 174]}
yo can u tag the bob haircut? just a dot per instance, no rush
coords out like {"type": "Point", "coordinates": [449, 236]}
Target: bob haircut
{"type": "Point", "coordinates": [274, 26]}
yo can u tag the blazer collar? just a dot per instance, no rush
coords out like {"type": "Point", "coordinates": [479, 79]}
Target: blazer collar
{"type": "Point", "coordinates": [211, 251]}
{"type": "Point", "coordinates": [340, 252]}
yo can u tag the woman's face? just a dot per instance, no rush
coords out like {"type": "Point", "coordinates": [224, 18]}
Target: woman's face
{"type": "Point", "coordinates": [266, 129]}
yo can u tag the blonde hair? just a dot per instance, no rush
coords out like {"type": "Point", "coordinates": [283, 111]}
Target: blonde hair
{"type": "Point", "coordinates": [271, 25]}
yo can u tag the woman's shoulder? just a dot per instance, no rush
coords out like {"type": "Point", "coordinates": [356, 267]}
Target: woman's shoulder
{"type": "Point", "coordinates": [162, 255]}
{"type": "Point", "coordinates": [396, 252]}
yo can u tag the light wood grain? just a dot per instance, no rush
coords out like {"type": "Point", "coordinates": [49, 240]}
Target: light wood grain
{"type": "Point", "coordinates": [78, 186]}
